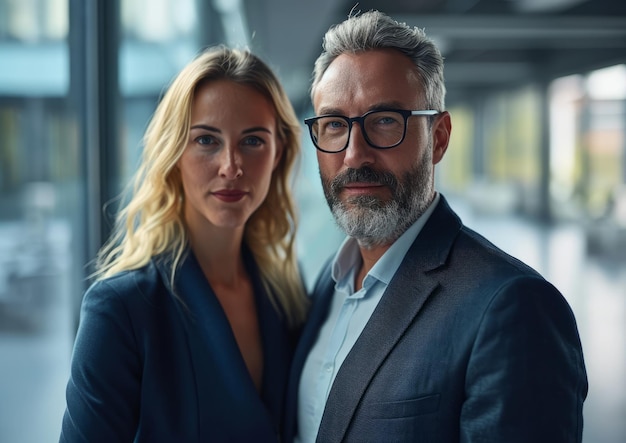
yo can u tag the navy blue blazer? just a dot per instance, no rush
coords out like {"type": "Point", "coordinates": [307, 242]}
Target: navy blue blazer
{"type": "Point", "coordinates": [466, 345]}
{"type": "Point", "coordinates": [151, 366]}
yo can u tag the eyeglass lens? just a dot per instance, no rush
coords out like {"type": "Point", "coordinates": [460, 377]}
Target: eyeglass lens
{"type": "Point", "coordinates": [381, 129]}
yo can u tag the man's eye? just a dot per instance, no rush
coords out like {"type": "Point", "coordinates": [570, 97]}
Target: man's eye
{"type": "Point", "coordinates": [386, 120]}
{"type": "Point", "coordinates": [334, 124]}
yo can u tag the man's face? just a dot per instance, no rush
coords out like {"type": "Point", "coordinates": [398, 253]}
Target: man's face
{"type": "Point", "coordinates": [374, 194]}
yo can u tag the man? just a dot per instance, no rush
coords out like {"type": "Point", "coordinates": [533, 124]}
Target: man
{"type": "Point", "coordinates": [420, 330]}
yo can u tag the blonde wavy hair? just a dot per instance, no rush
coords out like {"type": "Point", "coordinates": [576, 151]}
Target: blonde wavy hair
{"type": "Point", "coordinates": [152, 221]}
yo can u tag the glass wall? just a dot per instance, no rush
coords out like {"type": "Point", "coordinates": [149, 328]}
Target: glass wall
{"type": "Point", "coordinates": [588, 147]}
{"type": "Point", "coordinates": [588, 153]}
{"type": "Point", "coordinates": [496, 159]}
{"type": "Point", "coordinates": [40, 216]}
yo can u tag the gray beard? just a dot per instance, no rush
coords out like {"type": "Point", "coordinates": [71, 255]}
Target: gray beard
{"type": "Point", "coordinates": [373, 221]}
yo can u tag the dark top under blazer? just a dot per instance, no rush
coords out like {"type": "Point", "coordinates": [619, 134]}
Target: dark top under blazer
{"type": "Point", "coordinates": [466, 345]}
{"type": "Point", "coordinates": [147, 369]}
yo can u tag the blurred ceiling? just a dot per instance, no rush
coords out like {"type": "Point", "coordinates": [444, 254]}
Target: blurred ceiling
{"type": "Point", "coordinates": [487, 44]}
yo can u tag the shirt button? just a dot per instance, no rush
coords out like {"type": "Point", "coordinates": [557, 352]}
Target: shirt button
{"type": "Point", "coordinates": [328, 367]}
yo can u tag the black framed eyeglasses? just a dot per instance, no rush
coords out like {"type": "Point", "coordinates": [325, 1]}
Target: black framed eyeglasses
{"type": "Point", "coordinates": [382, 129]}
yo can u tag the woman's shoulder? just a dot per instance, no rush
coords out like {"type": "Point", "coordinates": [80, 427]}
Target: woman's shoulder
{"type": "Point", "coordinates": [141, 284]}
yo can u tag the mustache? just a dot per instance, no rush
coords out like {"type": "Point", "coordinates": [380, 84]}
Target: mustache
{"type": "Point", "coordinates": [364, 174]}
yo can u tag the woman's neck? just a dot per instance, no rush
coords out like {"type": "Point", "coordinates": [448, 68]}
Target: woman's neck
{"type": "Point", "coordinates": [219, 255]}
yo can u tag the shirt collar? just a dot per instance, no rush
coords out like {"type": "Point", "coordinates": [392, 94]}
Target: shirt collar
{"type": "Point", "coordinates": [348, 256]}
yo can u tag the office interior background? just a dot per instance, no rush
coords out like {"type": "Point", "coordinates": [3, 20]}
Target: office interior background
{"type": "Point", "coordinates": [537, 160]}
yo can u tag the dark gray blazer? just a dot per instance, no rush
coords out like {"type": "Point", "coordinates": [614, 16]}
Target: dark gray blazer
{"type": "Point", "coordinates": [466, 345]}
{"type": "Point", "coordinates": [145, 368]}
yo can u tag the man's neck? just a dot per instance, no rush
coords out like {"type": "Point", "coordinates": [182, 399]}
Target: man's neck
{"type": "Point", "coordinates": [369, 257]}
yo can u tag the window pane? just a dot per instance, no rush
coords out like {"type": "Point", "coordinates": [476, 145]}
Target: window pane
{"type": "Point", "coordinates": [40, 223]}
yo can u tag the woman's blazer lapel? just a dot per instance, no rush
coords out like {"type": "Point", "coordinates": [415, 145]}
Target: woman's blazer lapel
{"type": "Point", "coordinates": [221, 373]}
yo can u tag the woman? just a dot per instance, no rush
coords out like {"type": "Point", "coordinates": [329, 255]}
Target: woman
{"type": "Point", "coordinates": [187, 333]}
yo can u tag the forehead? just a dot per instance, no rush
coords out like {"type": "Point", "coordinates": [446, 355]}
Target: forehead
{"type": "Point", "coordinates": [228, 99]}
{"type": "Point", "coordinates": [225, 90]}
{"type": "Point", "coordinates": [362, 81]}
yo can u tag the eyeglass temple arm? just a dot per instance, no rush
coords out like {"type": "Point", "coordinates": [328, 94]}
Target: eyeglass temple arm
{"type": "Point", "coordinates": [425, 112]}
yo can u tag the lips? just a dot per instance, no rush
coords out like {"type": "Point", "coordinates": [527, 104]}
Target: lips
{"type": "Point", "coordinates": [361, 187]}
{"type": "Point", "coordinates": [229, 195]}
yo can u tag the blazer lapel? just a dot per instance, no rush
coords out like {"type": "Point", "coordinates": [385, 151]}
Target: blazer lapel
{"type": "Point", "coordinates": [218, 364]}
{"type": "Point", "coordinates": [401, 302]}
{"type": "Point", "coordinates": [277, 351]}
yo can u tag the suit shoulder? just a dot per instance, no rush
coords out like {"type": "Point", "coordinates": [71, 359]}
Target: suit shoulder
{"type": "Point", "coordinates": [128, 287]}
{"type": "Point", "coordinates": [479, 250]}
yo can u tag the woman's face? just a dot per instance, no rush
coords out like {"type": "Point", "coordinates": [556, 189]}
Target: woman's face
{"type": "Point", "coordinates": [233, 148]}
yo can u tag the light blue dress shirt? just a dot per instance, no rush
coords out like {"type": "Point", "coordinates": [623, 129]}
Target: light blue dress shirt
{"type": "Point", "coordinates": [349, 312]}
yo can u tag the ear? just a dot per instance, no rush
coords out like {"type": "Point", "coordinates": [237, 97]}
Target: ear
{"type": "Point", "coordinates": [442, 128]}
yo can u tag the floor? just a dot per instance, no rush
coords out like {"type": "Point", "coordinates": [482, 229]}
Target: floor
{"type": "Point", "coordinates": [34, 358]}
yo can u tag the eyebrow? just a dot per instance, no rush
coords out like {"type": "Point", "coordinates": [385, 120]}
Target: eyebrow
{"type": "Point", "coordinates": [256, 129]}
{"type": "Point", "coordinates": [325, 111]}
{"type": "Point", "coordinates": [376, 107]}
{"type": "Point", "coordinates": [206, 128]}
{"type": "Point", "coordinates": [246, 131]}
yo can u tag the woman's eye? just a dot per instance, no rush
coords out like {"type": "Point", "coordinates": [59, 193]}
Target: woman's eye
{"type": "Point", "coordinates": [253, 141]}
{"type": "Point", "coordinates": [206, 140]}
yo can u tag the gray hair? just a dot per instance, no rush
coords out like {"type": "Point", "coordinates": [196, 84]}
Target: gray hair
{"type": "Point", "coordinates": [374, 30]}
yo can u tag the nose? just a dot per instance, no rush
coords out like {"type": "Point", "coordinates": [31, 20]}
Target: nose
{"type": "Point", "coordinates": [358, 153]}
{"type": "Point", "coordinates": [230, 166]}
